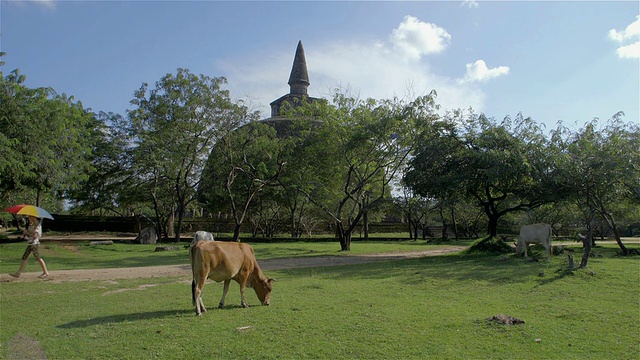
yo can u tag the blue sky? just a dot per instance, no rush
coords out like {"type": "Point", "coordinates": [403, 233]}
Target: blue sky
{"type": "Point", "coordinates": [570, 61]}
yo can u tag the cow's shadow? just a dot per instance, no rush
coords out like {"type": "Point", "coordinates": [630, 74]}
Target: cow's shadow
{"type": "Point", "coordinates": [125, 317]}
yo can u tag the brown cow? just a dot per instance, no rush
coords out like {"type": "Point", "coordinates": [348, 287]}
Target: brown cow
{"type": "Point", "coordinates": [223, 261]}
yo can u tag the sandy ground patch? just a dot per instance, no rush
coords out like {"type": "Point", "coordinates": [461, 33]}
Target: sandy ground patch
{"type": "Point", "coordinates": [185, 270]}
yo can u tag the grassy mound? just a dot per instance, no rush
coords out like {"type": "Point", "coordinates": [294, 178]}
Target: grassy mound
{"type": "Point", "coordinates": [490, 245]}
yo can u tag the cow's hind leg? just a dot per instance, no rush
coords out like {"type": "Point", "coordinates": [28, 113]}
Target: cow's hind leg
{"type": "Point", "coordinates": [197, 286]}
{"type": "Point", "coordinates": [225, 290]}
{"type": "Point", "coordinates": [201, 305]}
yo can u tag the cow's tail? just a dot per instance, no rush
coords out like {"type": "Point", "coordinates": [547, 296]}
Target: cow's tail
{"type": "Point", "coordinates": [193, 292]}
{"type": "Point", "coordinates": [192, 253]}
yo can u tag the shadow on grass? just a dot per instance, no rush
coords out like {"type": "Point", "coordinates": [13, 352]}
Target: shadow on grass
{"type": "Point", "coordinates": [456, 267]}
{"type": "Point", "coordinates": [497, 269]}
{"type": "Point", "coordinates": [266, 253]}
{"type": "Point", "coordinates": [559, 275]}
{"type": "Point", "coordinates": [124, 317]}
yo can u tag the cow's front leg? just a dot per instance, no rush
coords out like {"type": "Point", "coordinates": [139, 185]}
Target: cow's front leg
{"type": "Point", "coordinates": [244, 303]}
{"type": "Point", "coordinates": [224, 293]}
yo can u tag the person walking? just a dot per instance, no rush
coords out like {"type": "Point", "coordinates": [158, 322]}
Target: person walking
{"type": "Point", "coordinates": [32, 234]}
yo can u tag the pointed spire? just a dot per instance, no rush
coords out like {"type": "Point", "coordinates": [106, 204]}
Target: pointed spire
{"type": "Point", "coordinates": [299, 78]}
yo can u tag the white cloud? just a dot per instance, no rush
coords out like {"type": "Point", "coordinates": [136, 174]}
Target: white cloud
{"type": "Point", "coordinates": [416, 38]}
{"type": "Point", "coordinates": [629, 51]}
{"type": "Point", "coordinates": [379, 69]}
{"type": "Point", "coordinates": [49, 4]}
{"type": "Point", "coordinates": [479, 72]}
{"type": "Point", "coordinates": [471, 4]}
{"type": "Point", "coordinates": [630, 33]}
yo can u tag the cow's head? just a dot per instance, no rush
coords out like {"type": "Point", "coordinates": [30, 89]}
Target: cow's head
{"type": "Point", "coordinates": [263, 289]}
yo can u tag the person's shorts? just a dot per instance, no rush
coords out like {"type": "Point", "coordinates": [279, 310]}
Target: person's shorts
{"type": "Point", "coordinates": [32, 249]}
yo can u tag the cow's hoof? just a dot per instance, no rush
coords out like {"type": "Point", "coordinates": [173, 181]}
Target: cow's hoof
{"type": "Point", "coordinates": [221, 305]}
{"type": "Point", "coordinates": [245, 306]}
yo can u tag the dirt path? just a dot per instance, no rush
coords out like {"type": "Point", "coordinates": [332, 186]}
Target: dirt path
{"type": "Point", "coordinates": [185, 270]}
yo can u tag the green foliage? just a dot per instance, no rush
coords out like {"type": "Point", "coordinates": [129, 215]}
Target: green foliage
{"type": "Point", "coordinates": [243, 163]}
{"type": "Point", "coordinates": [106, 190]}
{"type": "Point", "coordinates": [172, 131]}
{"type": "Point", "coordinates": [599, 169]}
{"type": "Point", "coordinates": [45, 143]}
{"type": "Point", "coordinates": [502, 167]}
{"type": "Point", "coordinates": [336, 161]}
{"type": "Point", "coordinates": [353, 153]}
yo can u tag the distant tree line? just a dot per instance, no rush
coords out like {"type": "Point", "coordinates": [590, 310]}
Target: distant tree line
{"type": "Point", "coordinates": [188, 149]}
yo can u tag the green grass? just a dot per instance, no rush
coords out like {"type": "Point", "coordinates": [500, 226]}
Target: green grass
{"type": "Point", "coordinates": [82, 255]}
{"type": "Point", "coordinates": [432, 307]}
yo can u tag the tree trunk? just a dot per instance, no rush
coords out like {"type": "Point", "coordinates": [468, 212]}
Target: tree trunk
{"type": "Point", "coordinates": [345, 241]}
{"type": "Point", "coordinates": [159, 219]}
{"type": "Point", "coordinates": [612, 223]}
{"type": "Point", "coordinates": [445, 234]}
{"type": "Point", "coordinates": [179, 227]}
{"type": "Point", "coordinates": [236, 232]}
{"type": "Point", "coordinates": [455, 225]}
{"type": "Point", "coordinates": [344, 236]}
{"type": "Point", "coordinates": [170, 224]}
{"type": "Point", "coordinates": [292, 222]}
{"type": "Point", "coordinates": [365, 221]}
{"type": "Point", "coordinates": [412, 229]}
{"type": "Point", "coordinates": [444, 223]}
{"type": "Point", "coordinates": [586, 244]}
{"type": "Point", "coordinates": [492, 229]}
{"type": "Point", "coordinates": [182, 210]}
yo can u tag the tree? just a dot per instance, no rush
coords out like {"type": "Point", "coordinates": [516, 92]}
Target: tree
{"type": "Point", "coordinates": [174, 128]}
{"type": "Point", "coordinates": [600, 168]}
{"type": "Point", "coordinates": [415, 208]}
{"type": "Point", "coordinates": [502, 167]}
{"type": "Point", "coordinates": [241, 165]}
{"type": "Point", "coordinates": [103, 192]}
{"type": "Point", "coordinates": [45, 142]}
{"type": "Point", "coordinates": [352, 152]}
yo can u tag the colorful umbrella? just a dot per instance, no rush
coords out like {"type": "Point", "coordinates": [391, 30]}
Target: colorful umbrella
{"type": "Point", "coordinates": [29, 210]}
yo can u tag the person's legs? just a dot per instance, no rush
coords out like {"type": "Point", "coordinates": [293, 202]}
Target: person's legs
{"type": "Point", "coordinates": [45, 273]}
{"type": "Point", "coordinates": [23, 264]}
{"type": "Point", "coordinates": [36, 253]}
